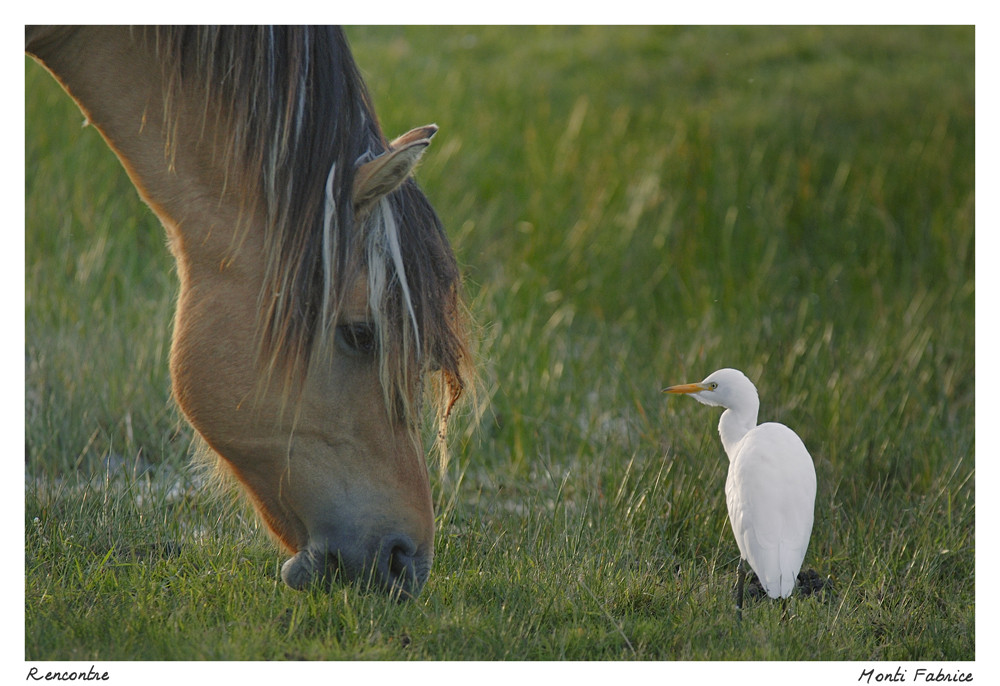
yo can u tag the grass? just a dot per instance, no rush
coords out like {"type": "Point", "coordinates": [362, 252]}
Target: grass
{"type": "Point", "coordinates": [633, 207]}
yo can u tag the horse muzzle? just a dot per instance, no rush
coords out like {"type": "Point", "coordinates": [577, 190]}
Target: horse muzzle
{"type": "Point", "coordinates": [396, 567]}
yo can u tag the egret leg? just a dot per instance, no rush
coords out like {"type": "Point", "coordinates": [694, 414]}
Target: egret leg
{"type": "Point", "coordinates": [740, 577]}
{"type": "Point", "coordinates": [784, 609]}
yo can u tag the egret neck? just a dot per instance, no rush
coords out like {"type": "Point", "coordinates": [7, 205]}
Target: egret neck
{"type": "Point", "coordinates": [735, 424]}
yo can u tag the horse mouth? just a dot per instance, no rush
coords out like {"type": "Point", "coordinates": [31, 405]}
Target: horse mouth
{"type": "Point", "coordinates": [399, 569]}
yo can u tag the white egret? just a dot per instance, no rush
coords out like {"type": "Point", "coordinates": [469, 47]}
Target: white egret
{"type": "Point", "coordinates": [771, 486]}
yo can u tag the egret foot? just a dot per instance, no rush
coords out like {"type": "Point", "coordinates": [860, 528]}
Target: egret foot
{"type": "Point", "coordinates": [738, 591]}
{"type": "Point", "coordinates": [809, 582]}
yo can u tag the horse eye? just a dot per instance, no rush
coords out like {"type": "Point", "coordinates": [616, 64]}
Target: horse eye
{"type": "Point", "coordinates": [357, 338]}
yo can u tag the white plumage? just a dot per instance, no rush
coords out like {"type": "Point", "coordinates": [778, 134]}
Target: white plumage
{"type": "Point", "coordinates": [771, 486]}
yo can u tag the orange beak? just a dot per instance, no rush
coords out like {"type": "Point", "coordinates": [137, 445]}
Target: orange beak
{"type": "Point", "coordinates": [686, 388]}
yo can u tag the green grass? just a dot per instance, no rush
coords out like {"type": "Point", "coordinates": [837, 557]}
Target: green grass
{"type": "Point", "coordinates": [633, 207]}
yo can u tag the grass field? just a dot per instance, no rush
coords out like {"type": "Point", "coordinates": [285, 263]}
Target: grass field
{"type": "Point", "coordinates": [633, 207]}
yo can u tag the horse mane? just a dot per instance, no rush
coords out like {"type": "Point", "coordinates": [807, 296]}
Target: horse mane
{"type": "Point", "coordinates": [296, 119]}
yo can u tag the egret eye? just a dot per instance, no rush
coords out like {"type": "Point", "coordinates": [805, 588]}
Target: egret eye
{"type": "Point", "coordinates": [357, 338]}
{"type": "Point", "coordinates": [712, 385]}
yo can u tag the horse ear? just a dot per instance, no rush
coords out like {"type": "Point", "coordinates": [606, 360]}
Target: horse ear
{"type": "Point", "coordinates": [376, 179]}
{"type": "Point", "coordinates": [420, 133]}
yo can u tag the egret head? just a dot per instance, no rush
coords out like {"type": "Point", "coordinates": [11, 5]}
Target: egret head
{"type": "Point", "coordinates": [729, 388]}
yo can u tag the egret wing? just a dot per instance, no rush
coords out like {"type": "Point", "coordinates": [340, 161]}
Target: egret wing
{"type": "Point", "coordinates": [771, 492]}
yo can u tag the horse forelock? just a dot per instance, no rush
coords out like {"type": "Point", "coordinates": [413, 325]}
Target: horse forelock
{"type": "Point", "coordinates": [415, 301]}
{"type": "Point", "coordinates": [295, 117]}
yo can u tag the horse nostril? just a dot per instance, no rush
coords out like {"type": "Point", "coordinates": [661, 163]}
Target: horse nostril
{"type": "Point", "coordinates": [398, 565]}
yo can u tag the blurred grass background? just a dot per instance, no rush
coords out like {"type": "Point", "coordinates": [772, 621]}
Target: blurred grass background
{"type": "Point", "coordinates": [633, 207]}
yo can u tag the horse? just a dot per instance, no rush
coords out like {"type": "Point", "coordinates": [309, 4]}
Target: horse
{"type": "Point", "coordinates": [320, 308]}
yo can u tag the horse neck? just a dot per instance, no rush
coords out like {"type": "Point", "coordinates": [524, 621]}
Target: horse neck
{"type": "Point", "coordinates": [117, 82]}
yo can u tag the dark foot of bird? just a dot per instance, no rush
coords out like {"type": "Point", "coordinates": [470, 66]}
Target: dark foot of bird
{"type": "Point", "coordinates": [809, 583]}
